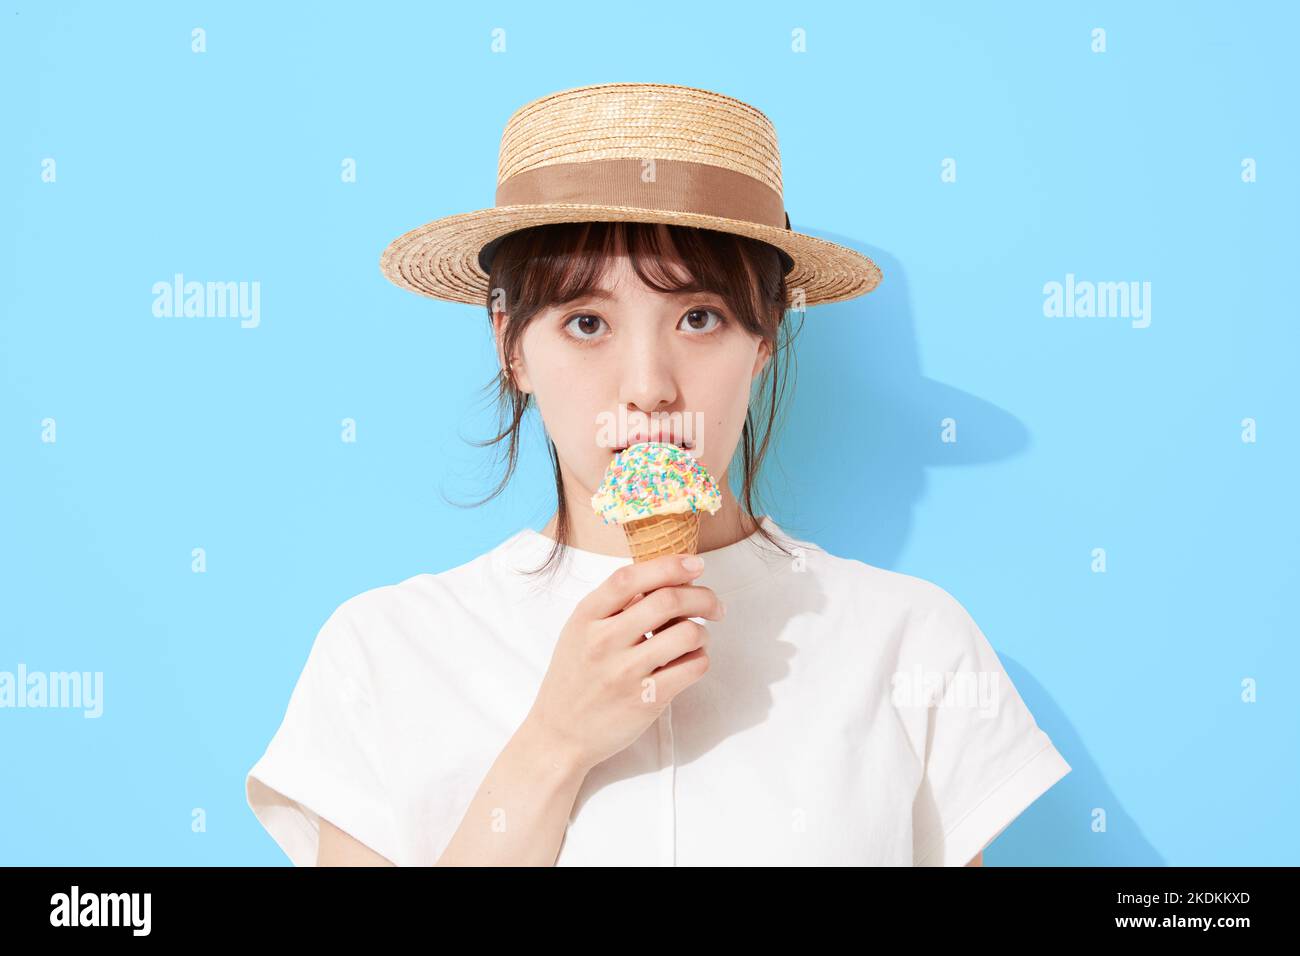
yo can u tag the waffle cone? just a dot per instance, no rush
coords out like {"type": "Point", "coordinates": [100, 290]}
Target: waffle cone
{"type": "Point", "coordinates": [648, 538]}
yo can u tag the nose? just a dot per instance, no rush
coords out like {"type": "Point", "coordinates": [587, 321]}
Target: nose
{"type": "Point", "coordinates": [648, 382]}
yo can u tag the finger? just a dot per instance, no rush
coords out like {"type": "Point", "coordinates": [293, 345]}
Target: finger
{"type": "Point", "coordinates": [640, 597]}
{"type": "Point", "coordinates": [659, 629]}
{"type": "Point", "coordinates": [657, 609]}
{"type": "Point", "coordinates": [640, 577]}
{"type": "Point", "coordinates": [666, 624]}
{"type": "Point", "coordinates": [674, 677]}
{"type": "Point", "coordinates": [669, 644]}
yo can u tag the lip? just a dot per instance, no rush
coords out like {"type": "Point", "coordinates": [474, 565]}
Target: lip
{"type": "Point", "coordinates": [684, 444]}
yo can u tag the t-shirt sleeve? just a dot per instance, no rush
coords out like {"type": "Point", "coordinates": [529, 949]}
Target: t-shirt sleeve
{"type": "Point", "coordinates": [325, 759]}
{"type": "Point", "coordinates": [985, 758]}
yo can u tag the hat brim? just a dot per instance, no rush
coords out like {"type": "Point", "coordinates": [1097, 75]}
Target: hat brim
{"type": "Point", "coordinates": [441, 258]}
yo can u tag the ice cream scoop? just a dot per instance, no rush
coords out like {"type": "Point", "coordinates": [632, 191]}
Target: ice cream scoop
{"type": "Point", "coordinates": [656, 491]}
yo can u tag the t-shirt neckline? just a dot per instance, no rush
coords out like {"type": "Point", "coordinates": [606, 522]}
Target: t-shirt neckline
{"type": "Point", "coordinates": [729, 568]}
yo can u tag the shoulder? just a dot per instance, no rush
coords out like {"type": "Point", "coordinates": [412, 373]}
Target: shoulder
{"type": "Point", "coordinates": [885, 590]}
{"type": "Point", "coordinates": [908, 619]}
{"type": "Point", "coordinates": [390, 615]}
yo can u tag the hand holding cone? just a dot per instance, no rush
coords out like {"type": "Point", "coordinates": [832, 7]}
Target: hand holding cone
{"type": "Point", "coordinates": [656, 491]}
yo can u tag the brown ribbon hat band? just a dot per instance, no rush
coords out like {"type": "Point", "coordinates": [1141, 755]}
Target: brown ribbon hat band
{"type": "Point", "coordinates": [633, 152]}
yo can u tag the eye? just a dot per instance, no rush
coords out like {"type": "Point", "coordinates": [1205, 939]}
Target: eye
{"type": "Point", "coordinates": [700, 315]}
{"type": "Point", "coordinates": [585, 323]}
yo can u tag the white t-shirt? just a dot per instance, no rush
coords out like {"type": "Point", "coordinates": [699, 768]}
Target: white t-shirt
{"type": "Point", "coordinates": [810, 740]}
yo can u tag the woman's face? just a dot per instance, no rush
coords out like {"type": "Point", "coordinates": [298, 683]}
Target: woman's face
{"type": "Point", "coordinates": [678, 366]}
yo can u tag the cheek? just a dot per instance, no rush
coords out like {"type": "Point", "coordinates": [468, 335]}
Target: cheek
{"type": "Point", "coordinates": [571, 383]}
{"type": "Point", "coordinates": [569, 394]}
{"type": "Point", "coordinates": [549, 366]}
{"type": "Point", "coordinates": [726, 388]}
{"type": "Point", "coordinates": [722, 398]}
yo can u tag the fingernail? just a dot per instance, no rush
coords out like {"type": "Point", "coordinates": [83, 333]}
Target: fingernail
{"type": "Point", "coordinates": [722, 607]}
{"type": "Point", "coordinates": [692, 563]}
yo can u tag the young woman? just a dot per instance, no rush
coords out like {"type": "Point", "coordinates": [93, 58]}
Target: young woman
{"type": "Point", "coordinates": [552, 702]}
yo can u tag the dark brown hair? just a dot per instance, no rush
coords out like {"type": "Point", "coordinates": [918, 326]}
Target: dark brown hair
{"type": "Point", "coordinates": [541, 266]}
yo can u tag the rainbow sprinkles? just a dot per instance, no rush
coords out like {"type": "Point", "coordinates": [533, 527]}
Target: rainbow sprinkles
{"type": "Point", "coordinates": [654, 478]}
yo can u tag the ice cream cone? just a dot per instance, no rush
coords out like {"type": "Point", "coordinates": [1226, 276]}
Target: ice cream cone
{"type": "Point", "coordinates": [648, 538]}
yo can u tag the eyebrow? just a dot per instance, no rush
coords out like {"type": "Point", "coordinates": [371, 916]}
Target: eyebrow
{"type": "Point", "coordinates": [602, 294]}
{"type": "Point", "coordinates": [606, 295]}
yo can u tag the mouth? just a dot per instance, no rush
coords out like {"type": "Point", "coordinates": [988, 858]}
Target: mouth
{"type": "Point", "coordinates": [684, 444]}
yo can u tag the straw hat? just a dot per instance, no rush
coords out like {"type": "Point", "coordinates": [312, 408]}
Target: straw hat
{"type": "Point", "coordinates": [631, 152]}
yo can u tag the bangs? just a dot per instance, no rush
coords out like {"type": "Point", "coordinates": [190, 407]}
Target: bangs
{"type": "Point", "coordinates": [550, 265]}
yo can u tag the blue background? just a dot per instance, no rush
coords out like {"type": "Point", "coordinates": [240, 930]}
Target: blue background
{"type": "Point", "coordinates": [1073, 434]}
